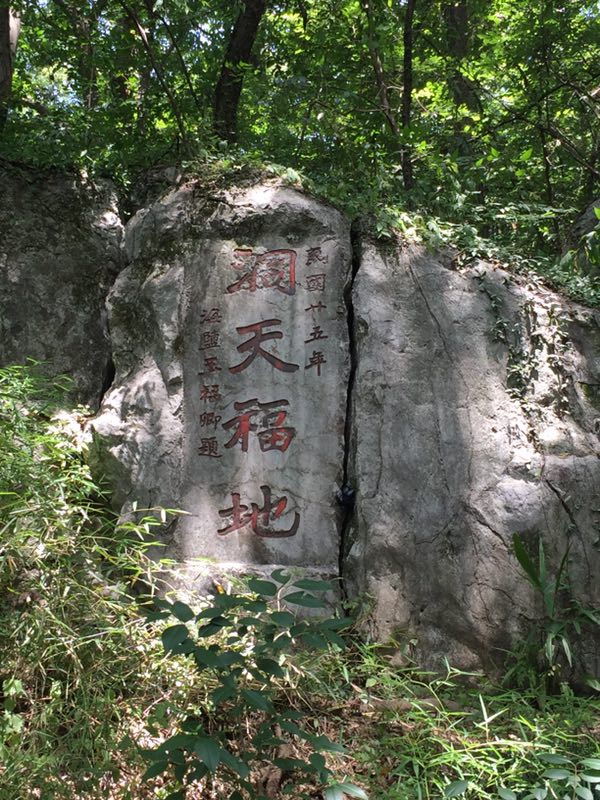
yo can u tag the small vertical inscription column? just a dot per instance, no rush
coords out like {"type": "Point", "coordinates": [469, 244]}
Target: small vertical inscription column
{"type": "Point", "coordinates": [265, 376]}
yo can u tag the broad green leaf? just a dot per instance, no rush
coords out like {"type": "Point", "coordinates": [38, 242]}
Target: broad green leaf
{"type": "Point", "coordinates": [317, 760]}
{"type": "Point", "coordinates": [182, 611]}
{"type": "Point", "coordinates": [597, 212]}
{"type": "Point", "coordinates": [270, 666]}
{"type": "Point", "coordinates": [222, 693]}
{"type": "Point", "coordinates": [557, 774]}
{"type": "Point", "coordinates": [291, 713]}
{"type": "Point", "coordinates": [173, 637]}
{"type": "Point", "coordinates": [213, 627]}
{"type": "Point", "coordinates": [506, 794]}
{"type": "Point", "coordinates": [592, 763]}
{"type": "Point", "coordinates": [210, 613]}
{"type": "Point", "coordinates": [336, 623]}
{"type": "Point", "coordinates": [553, 758]}
{"type": "Point", "coordinates": [209, 752]}
{"type": "Point", "coordinates": [281, 576]}
{"type": "Point", "coordinates": [584, 793]}
{"type": "Point", "coordinates": [263, 587]}
{"type": "Point", "coordinates": [325, 743]}
{"type": "Point", "coordinates": [314, 585]}
{"type": "Point", "coordinates": [352, 790]}
{"type": "Point", "coordinates": [334, 792]}
{"type": "Point", "coordinates": [303, 599]}
{"type": "Point", "coordinates": [590, 778]}
{"type": "Point", "coordinates": [538, 793]}
{"type": "Point", "coordinates": [291, 727]}
{"type": "Point", "coordinates": [235, 764]}
{"type": "Point", "coordinates": [283, 618]}
{"type": "Point", "coordinates": [317, 641]}
{"type": "Point", "coordinates": [256, 700]}
{"type": "Point", "coordinates": [456, 788]}
{"type": "Point", "coordinates": [155, 769]}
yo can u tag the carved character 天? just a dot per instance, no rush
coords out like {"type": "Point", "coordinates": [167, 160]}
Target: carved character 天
{"type": "Point", "coordinates": [253, 346]}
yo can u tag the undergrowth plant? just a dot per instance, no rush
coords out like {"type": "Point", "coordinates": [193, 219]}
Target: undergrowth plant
{"type": "Point", "coordinates": [72, 643]}
{"type": "Point", "coordinates": [544, 656]}
{"type": "Point", "coordinates": [422, 736]}
{"type": "Point", "coordinates": [250, 648]}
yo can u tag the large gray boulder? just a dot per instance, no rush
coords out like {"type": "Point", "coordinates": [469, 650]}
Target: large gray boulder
{"type": "Point", "coordinates": [230, 342]}
{"type": "Point", "coordinates": [475, 415]}
{"type": "Point", "coordinates": [59, 254]}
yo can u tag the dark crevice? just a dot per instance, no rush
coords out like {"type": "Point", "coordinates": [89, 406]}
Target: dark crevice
{"type": "Point", "coordinates": [347, 492]}
{"type": "Point", "coordinates": [108, 378]}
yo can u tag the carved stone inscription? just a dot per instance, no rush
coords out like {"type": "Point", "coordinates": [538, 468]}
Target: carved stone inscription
{"type": "Point", "coordinates": [265, 374]}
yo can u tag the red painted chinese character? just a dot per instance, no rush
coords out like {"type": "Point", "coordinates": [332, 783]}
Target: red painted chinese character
{"type": "Point", "coordinates": [315, 283]}
{"type": "Point", "coordinates": [275, 269]}
{"type": "Point", "coordinates": [315, 254]}
{"type": "Point", "coordinates": [273, 436]}
{"type": "Point", "coordinates": [242, 423]}
{"type": "Point", "coordinates": [209, 419]}
{"type": "Point", "coordinates": [209, 339]}
{"type": "Point", "coordinates": [211, 364]}
{"type": "Point", "coordinates": [213, 315]}
{"type": "Point", "coordinates": [209, 447]}
{"type": "Point", "coordinates": [210, 394]}
{"type": "Point", "coordinates": [260, 519]}
{"type": "Point", "coordinates": [315, 361]}
{"type": "Point", "coordinates": [316, 307]}
{"type": "Point", "coordinates": [316, 333]}
{"type": "Point", "coordinates": [254, 346]}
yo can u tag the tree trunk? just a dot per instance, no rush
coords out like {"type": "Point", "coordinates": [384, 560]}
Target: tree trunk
{"type": "Point", "coordinates": [229, 85]}
{"type": "Point", "coordinates": [456, 19]}
{"type": "Point", "coordinates": [10, 26]}
{"type": "Point", "coordinates": [380, 80]}
{"type": "Point", "coordinates": [407, 87]}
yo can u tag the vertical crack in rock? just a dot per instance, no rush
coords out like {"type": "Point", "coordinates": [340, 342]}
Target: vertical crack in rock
{"type": "Point", "coordinates": [107, 378]}
{"type": "Point", "coordinates": [346, 493]}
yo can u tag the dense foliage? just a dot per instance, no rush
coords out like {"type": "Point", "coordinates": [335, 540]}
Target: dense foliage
{"type": "Point", "coordinates": [485, 111]}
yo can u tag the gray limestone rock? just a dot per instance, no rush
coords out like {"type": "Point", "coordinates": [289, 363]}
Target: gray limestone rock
{"type": "Point", "coordinates": [59, 254]}
{"type": "Point", "coordinates": [475, 415]}
{"type": "Point", "coordinates": [230, 342]}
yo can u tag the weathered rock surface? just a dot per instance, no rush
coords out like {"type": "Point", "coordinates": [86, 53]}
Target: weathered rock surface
{"type": "Point", "coordinates": [476, 414]}
{"type": "Point", "coordinates": [231, 349]}
{"type": "Point", "coordinates": [475, 399]}
{"type": "Point", "coordinates": [59, 254]}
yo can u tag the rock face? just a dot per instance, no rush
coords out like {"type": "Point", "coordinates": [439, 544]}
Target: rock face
{"type": "Point", "coordinates": [230, 341]}
{"type": "Point", "coordinates": [475, 415]}
{"type": "Point", "coordinates": [474, 401]}
{"type": "Point", "coordinates": [59, 254]}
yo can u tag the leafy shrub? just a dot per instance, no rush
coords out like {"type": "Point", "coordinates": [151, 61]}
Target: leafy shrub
{"type": "Point", "coordinates": [248, 646]}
